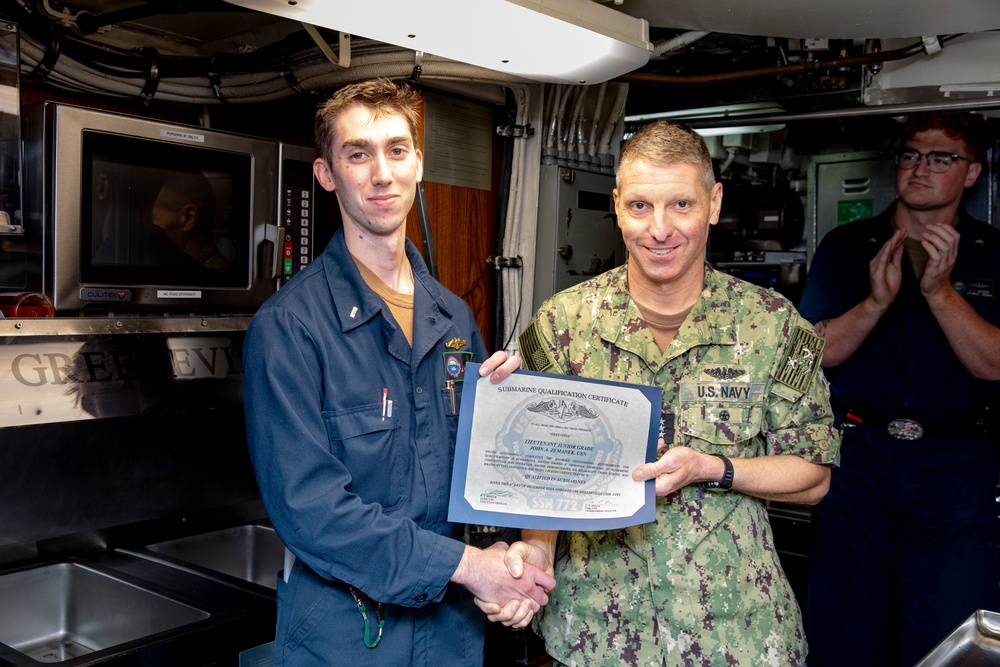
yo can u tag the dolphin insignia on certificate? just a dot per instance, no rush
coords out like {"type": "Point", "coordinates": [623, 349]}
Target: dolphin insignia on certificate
{"type": "Point", "coordinates": [558, 447]}
{"type": "Point", "coordinates": [561, 410]}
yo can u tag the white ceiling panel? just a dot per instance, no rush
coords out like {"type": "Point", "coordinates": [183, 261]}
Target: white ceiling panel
{"type": "Point", "coordinates": [840, 19]}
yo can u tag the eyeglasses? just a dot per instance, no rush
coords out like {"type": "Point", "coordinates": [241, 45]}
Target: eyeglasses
{"type": "Point", "coordinates": [937, 161]}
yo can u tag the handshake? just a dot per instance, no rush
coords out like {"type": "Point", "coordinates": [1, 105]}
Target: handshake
{"type": "Point", "coordinates": [510, 583]}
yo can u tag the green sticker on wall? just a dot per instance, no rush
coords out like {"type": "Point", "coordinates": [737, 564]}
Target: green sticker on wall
{"type": "Point", "coordinates": [850, 210]}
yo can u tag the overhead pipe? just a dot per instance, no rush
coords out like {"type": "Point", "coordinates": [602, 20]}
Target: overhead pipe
{"type": "Point", "coordinates": [852, 112]}
{"type": "Point", "coordinates": [676, 43]}
{"type": "Point", "coordinates": [89, 23]}
{"type": "Point", "coordinates": [176, 6]}
{"type": "Point", "coordinates": [253, 88]}
{"type": "Point", "coordinates": [780, 70]}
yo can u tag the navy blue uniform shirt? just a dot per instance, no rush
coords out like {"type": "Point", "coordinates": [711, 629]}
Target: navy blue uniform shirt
{"type": "Point", "coordinates": [361, 499]}
{"type": "Point", "coordinates": [905, 367]}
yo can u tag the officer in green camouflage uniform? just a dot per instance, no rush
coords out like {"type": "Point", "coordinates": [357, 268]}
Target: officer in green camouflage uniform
{"type": "Point", "coordinates": [745, 410]}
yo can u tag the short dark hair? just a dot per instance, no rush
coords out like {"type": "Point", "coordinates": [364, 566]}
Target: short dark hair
{"type": "Point", "coordinates": [182, 187]}
{"type": "Point", "coordinates": [971, 128]}
{"type": "Point", "coordinates": [667, 142]}
{"type": "Point", "coordinates": [382, 96]}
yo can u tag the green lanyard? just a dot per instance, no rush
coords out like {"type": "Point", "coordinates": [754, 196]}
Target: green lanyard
{"type": "Point", "coordinates": [379, 615]}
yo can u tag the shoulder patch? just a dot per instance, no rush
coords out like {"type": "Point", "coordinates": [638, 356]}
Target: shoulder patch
{"type": "Point", "coordinates": [801, 361]}
{"type": "Point", "coordinates": [534, 355]}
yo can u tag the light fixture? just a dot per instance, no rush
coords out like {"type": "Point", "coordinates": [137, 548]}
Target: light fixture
{"type": "Point", "coordinates": [557, 41]}
{"type": "Point", "coordinates": [708, 121]}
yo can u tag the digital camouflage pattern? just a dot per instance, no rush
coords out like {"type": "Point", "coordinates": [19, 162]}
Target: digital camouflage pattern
{"type": "Point", "coordinates": [702, 586]}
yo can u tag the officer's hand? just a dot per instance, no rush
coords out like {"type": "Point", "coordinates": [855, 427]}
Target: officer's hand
{"type": "Point", "coordinates": [885, 271]}
{"type": "Point", "coordinates": [484, 572]}
{"type": "Point", "coordinates": [537, 554]}
{"type": "Point", "coordinates": [678, 467]}
{"type": "Point", "coordinates": [941, 244]}
{"type": "Point", "coordinates": [518, 614]}
{"type": "Point", "coordinates": [514, 614]}
{"type": "Point", "coordinates": [499, 366]}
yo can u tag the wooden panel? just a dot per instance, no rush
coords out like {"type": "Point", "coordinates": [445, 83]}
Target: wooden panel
{"type": "Point", "coordinates": [463, 224]}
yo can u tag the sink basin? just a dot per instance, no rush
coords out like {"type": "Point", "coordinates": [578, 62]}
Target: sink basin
{"type": "Point", "coordinates": [252, 553]}
{"type": "Point", "coordinates": [58, 612]}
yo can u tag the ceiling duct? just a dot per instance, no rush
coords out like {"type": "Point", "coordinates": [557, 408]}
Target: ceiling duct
{"type": "Point", "coordinates": [557, 41]}
{"type": "Point", "coordinates": [965, 69]}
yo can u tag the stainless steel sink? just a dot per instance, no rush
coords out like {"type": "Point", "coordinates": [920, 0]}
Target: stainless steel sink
{"type": "Point", "coordinates": [252, 553]}
{"type": "Point", "coordinates": [59, 612]}
{"type": "Point", "coordinates": [974, 643]}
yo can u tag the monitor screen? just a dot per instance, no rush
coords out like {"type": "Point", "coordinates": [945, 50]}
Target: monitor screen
{"type": "Point", "coordinates": [164, 214]}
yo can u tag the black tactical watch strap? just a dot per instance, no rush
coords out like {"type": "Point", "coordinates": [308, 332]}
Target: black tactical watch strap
{"type": "Point", "coordinates": [726, 482]}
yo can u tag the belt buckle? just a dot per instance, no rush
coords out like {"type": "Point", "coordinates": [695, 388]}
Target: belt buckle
{"type": "Point", "coordinates": [905, 429]}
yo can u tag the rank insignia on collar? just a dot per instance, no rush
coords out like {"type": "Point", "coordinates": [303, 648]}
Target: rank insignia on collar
{"type": "Point", "coordinates": [456, 343]}
{"type": "Point", "coordinates": [724, 372]}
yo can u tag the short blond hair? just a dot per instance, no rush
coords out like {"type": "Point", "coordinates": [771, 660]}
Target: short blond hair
{"type": "Point", "coordinates": [665, 143]}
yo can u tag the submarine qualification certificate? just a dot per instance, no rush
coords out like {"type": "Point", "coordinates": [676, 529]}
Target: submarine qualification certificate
{"type": "Point", "coordinates": [554, 452]}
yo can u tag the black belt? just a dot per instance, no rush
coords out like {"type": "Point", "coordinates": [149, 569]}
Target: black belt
{"type": "Point", "coordinates": [905, 428]}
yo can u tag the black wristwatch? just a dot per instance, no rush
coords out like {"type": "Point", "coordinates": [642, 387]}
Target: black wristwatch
{"type": "Point", "coordinates": [726, 482]}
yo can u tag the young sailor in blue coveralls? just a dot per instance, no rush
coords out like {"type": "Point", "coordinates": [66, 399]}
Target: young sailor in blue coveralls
{"type": "Point", "coordinates": [350, 381]}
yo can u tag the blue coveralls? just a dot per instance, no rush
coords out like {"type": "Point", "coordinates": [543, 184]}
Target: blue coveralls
{"type": "Point", "coordinates": [358, 498]}
{"type": "Point", "coordinates": [905, 543]}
